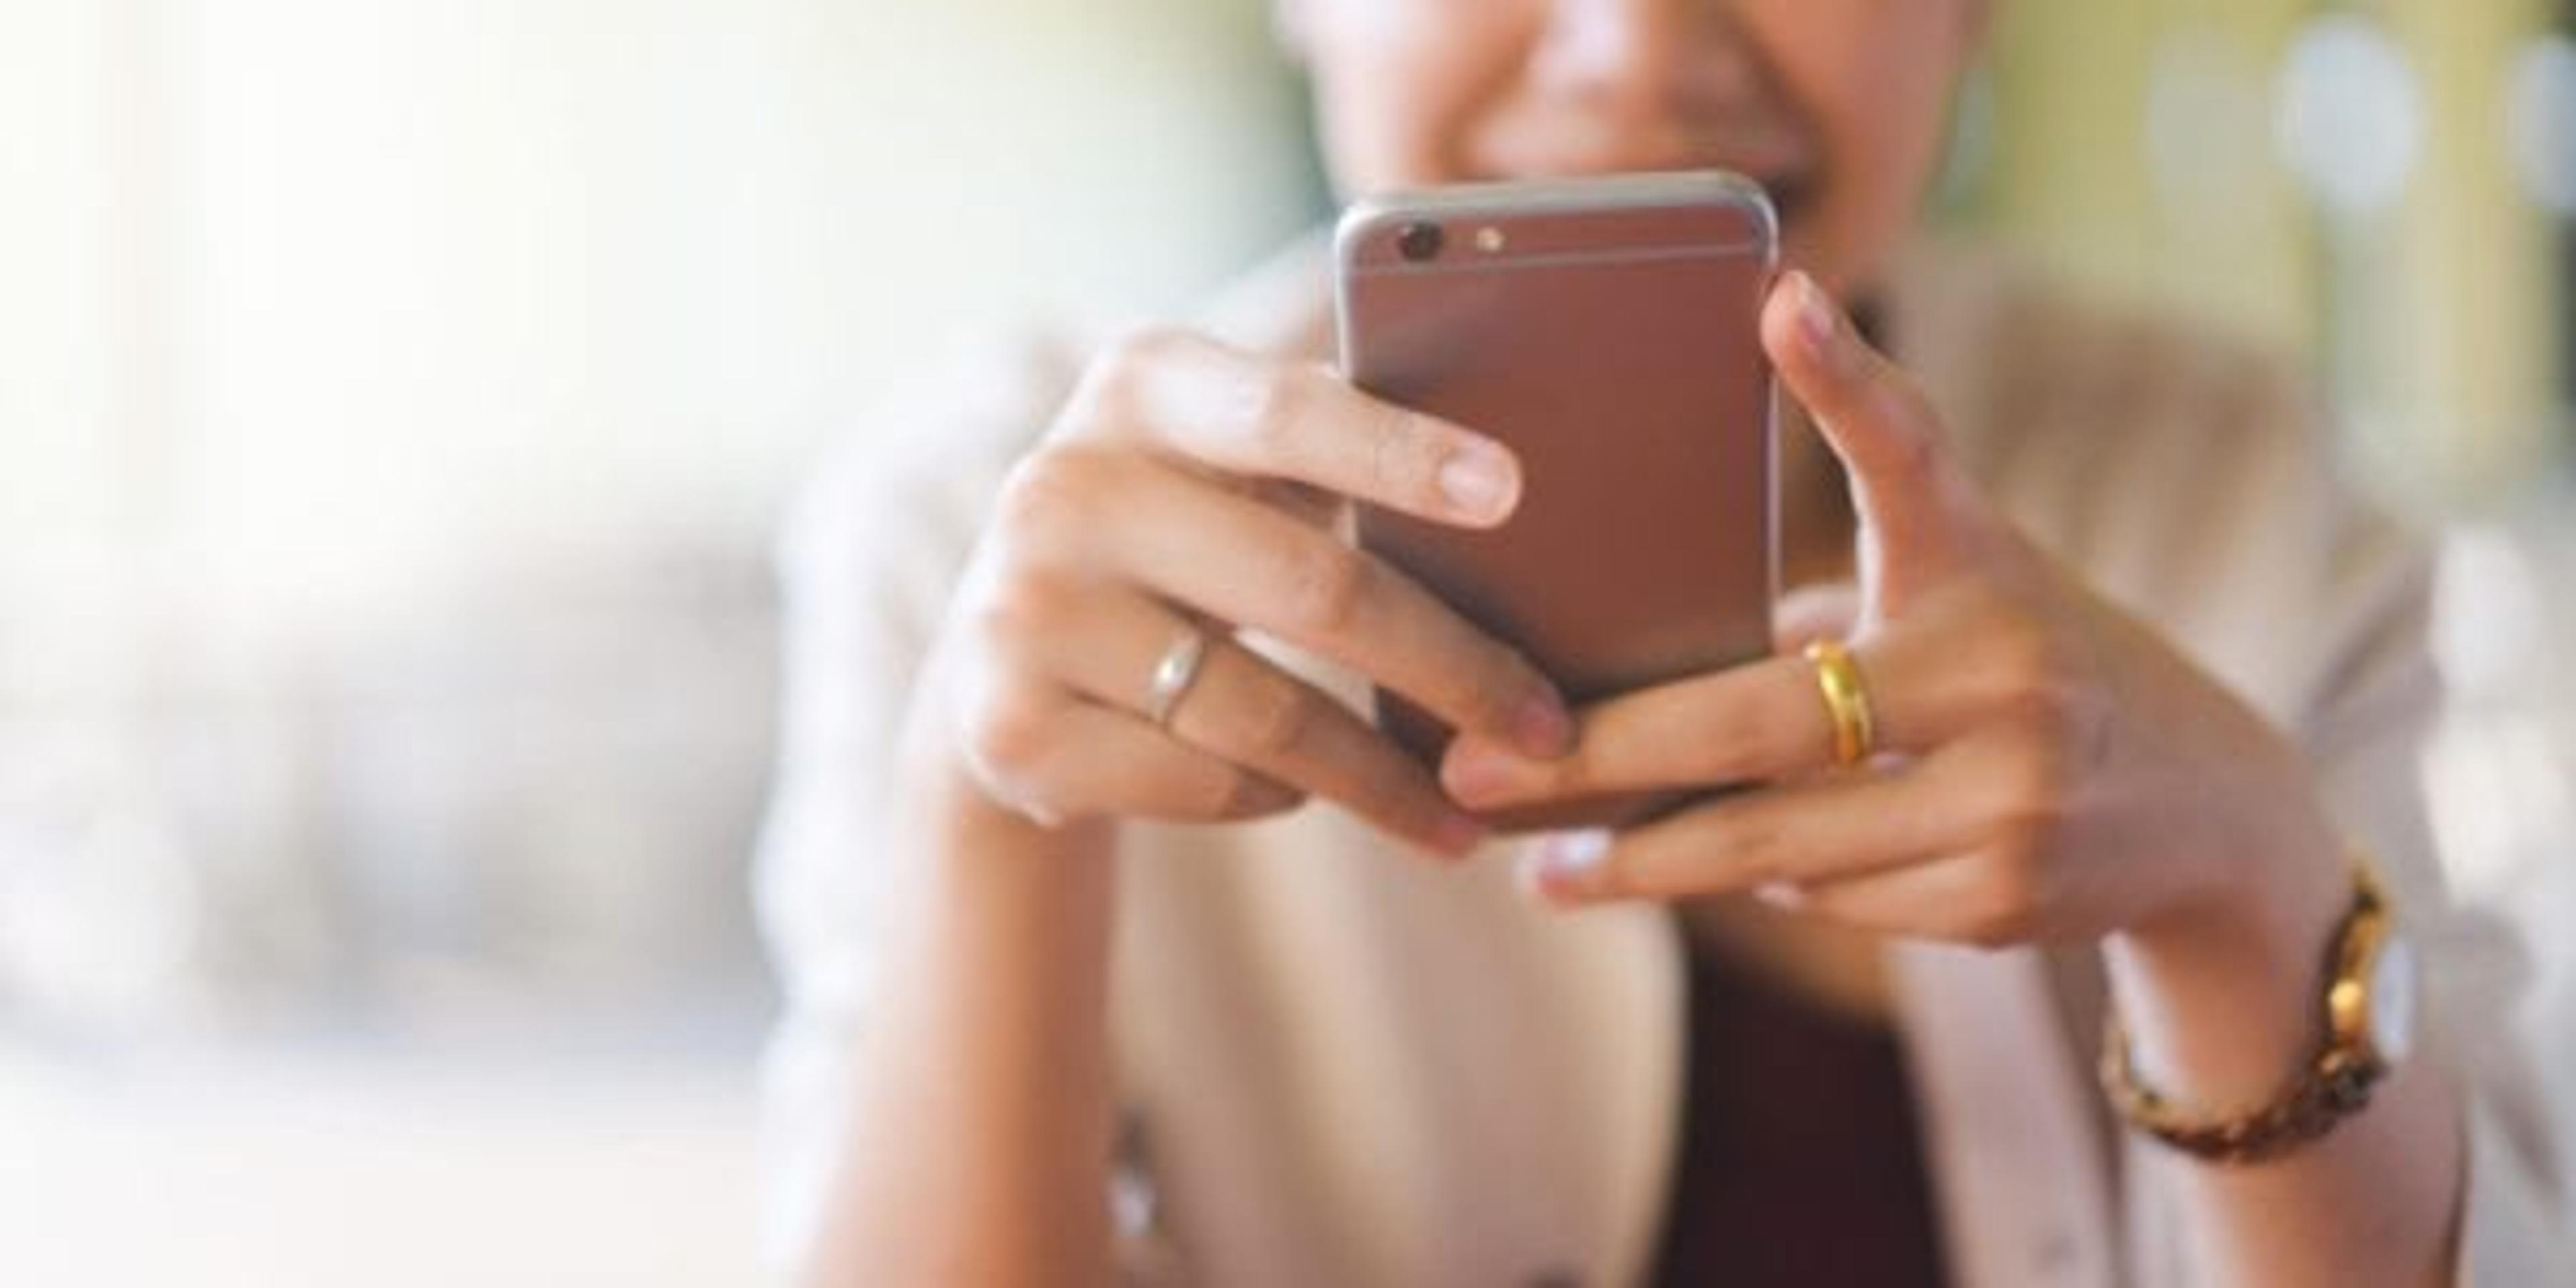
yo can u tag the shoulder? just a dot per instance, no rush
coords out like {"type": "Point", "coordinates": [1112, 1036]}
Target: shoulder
{"type": "Point", "coordinates": [2189, 473]}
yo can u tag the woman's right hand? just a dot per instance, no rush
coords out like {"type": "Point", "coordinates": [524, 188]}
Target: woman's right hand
{"type": "Point", "coordinates": [1188, 486]}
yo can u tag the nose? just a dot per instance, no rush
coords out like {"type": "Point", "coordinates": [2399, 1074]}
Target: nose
{"type": "Point", "coordinates": [1642, 58]}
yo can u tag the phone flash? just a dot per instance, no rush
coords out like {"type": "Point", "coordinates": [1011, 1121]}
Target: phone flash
{"type": "Point", "coordinates": [1489, 239]}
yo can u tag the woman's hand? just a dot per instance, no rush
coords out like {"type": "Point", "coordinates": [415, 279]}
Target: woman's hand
{"type": "Point", "coordinates": [1191, 488]}
{"type": "Point", "coordinates": [2048, 768]}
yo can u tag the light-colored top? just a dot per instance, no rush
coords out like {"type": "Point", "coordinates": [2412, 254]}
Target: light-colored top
{"type": "Point", "coordinates": [1342, 1065]}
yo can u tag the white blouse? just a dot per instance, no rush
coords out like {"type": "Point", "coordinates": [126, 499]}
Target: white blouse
{"type": "Point", "coordinates": [1343, 1066]}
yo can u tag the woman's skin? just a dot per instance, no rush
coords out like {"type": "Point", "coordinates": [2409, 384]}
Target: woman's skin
{"type": "Point", "coordinates": [2061, 772]}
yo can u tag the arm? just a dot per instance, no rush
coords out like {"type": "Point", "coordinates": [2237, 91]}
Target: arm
{"type": "Point", "coordinates": [969, 1135]}
{"type": "Point", "coordinates": [978, 1128]}
{"type": "Point", "coordinates": [2220, 1009]}
{"type": "Point", "coordinates": [2374, 704]}
{"type": "Point", "coordinates": [2228, 1006]}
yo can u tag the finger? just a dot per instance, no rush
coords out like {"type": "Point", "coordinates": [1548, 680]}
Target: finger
{"type": "Point", "coordinates": [1257, 417]}
{"type": "Point", "coordinates": [1822, 829]}
{"type": "Point", "coordinates": [1246, 710]}
{"type": "Point", "coordinates": [1759, 722]}
{"type": "Point", "coordinates": [1965, 898]}
{"type": "Point", "coordinates": [1056, 759]}
{"type": "Point", "coordinates": [1997, 881]}
{"type": "Point", "coordinates": [1811, 613]}
{"type": "Point", "coordinates": [1310, 504]}
{"type": "Point", "coordinates": [1245, 563]}
{"type": "Point", "coordinates": [1751, 723]}
{"type": "Point", "coordinates": [1871, 415]}
{"type": "Point", "coordinates": [1959, 666]}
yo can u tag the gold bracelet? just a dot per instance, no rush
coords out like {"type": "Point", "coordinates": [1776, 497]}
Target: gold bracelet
{"type": "Point", "coordinates": [2370, 983]}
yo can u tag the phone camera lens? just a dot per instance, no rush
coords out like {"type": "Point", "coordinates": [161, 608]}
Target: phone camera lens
{"type": "Point", "coordinates": [1419, 243]}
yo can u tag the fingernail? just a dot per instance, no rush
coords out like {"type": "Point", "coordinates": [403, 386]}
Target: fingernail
{"type": "Point", "coordinates": [1783, 895]}
{"type": "Point", "coordinates": [1816, 321]}
{"type": "Point", "coordinates": [1477, 480]}
{"type": "Point", "coordinates": [1456, 834]}
{"type": "Point", "coordinates": [1477, 774]}
{"type": "Point", "coordinates": [1543, 728]}
{"type": "Point", "coordinates": [1564, 863]}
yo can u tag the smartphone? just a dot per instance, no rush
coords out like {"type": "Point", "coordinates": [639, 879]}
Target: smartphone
{"type": "Point", "coordinates": [1607, 329]}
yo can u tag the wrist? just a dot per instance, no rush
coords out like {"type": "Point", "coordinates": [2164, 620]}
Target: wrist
{"type": "Point", "coordinates": [976, 876]}
{"type": "Point", "coordinates": [948, 811]}
{"type": "Point", "coordinates": [977, 847]}
{"type": "Point", "coordinates": [2220, 996]}
{"type": "Point", "coordinates": [987, 1091]}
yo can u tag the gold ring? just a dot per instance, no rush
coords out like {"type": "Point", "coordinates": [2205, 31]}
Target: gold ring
{"type": "Point", "coordinates": [1846, 700]}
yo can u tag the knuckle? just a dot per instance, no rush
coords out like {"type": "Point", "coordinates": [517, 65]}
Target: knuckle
{"type": "Point", "coordinates": [2050, 709]}
{"type": "Point", "coordinates": [1908, 450]}
{"type": "Point", "coordinates": [1911, 443]}
{"type": "Point", "coordinates": [1038, 803]}
{"type": "Point", "coordinates": [1323, 586]}
{"type": "Point", "coordinates": [1114, 385]}
{"type": "Point", "coordinates": [1278, 715]}
{"type": "Point", "coordinates": [1019, 603]}
{"type": "Point", "coordinates": [1922, 419]}
{"type": "Point", "coordinates": [1133, 354]}
{"type": "Point", "coordinates": [2037, 686]}
{"type": "Point", "coordinates": [1767, 850]}
{"type": "Point", "coordinates": [1048, 495]}
{"type": "Point", "coordinates": [1728, 742]}
{"type": "Point", "coordinates": [1386, 807]}
{"type": "Point", "coordinates": [2019, 646]}
{"type": "Point", "coordinates": [1403, 457]}
{"type": "Point", "coordinates": [1007, 735]}
{"type": "Point", "coordinates": [1751, 847]}
{"type": "Point", "coordinates": [2006, 909]}
{"type": "Point", "coordinates": [1477, 700]}
{"type": "Point", "coordinates": [1213, 795]}
{"type": "Point", "coordinates": [1247, 795]}
{"type": "Point", "coordinates": [1277, 406]}
{"type": "Point", "coordinates": [2031, 806]}
{"type": "Point", "coordinates": [1992, 930]}
{"type": "Point", "coordinates": [2016, 839]}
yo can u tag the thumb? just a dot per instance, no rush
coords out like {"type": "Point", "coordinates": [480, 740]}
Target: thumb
{"type": "Point", "coordinates": [1905, 488]}
{"type": "Point", "coordinates": [1811, 613]}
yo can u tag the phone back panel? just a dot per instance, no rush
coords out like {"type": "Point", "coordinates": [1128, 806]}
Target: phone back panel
{"type": "Point", "coordinates": [1607, 330]}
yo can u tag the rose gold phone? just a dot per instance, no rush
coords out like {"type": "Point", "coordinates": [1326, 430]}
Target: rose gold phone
{"type": "Point", "coordinates": [1607, 330]}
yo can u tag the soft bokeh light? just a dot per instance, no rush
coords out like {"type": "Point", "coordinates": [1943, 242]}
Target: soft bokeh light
{"type": "Point", "coordinates": [400, 398]}
{"type": "Point", "coordinates": [2351, 115]}
{"type": "Point", "coordinates": [2540, 120]}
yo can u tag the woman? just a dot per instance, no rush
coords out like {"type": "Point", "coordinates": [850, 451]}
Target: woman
{"type": "Point", "coordinates": [2137, 683]}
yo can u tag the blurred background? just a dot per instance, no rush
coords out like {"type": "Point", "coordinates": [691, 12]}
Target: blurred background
{"type": "Point", "coordinates": [397, 399]}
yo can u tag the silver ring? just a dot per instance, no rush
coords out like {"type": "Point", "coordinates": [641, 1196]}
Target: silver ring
{"type": "Point", "coordinates": [1174, 674]}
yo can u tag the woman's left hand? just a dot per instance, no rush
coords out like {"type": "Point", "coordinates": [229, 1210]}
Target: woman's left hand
{"type": "Point", "coordinates": [2047, 768]}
